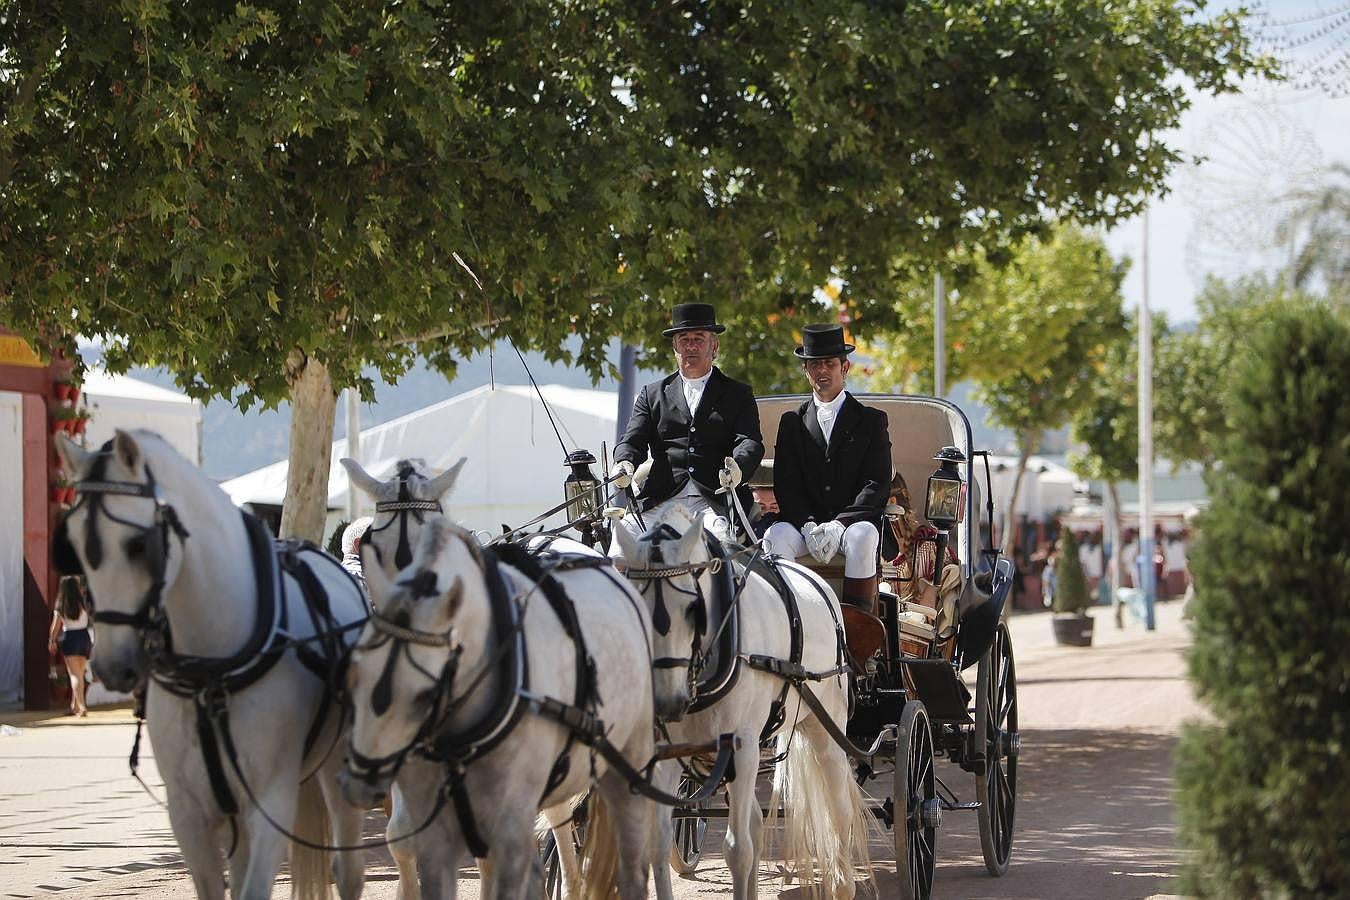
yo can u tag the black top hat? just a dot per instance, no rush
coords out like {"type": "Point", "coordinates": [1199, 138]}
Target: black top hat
{"type": "Point", "coordinates": [823, 342]}
{"type": "Point", "coordinates": [693, 317]}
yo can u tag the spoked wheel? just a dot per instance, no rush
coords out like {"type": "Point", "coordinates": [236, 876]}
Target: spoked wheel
{"type": "Point", "coordinates": [548, 853]}
{"type": "Point", "coordinates": [689, 833]}
{"type": "Point", "coordinates": [916, 807]}
{"type": "Point", "coordinates": [996, 736]}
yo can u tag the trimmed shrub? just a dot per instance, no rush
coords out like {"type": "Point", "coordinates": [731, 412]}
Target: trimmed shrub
{"type": "Point", "coordinates": [1071, 592]}
{"type": "Point", "coordinates": [1263, 797]}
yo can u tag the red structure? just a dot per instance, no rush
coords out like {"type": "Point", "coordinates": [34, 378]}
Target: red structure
{"type": "Point", "coordinates": [23, 371]}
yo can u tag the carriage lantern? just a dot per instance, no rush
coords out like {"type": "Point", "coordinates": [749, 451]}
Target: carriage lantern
{"type": "Point", "coordinates": [943, 507]}
{"type": "Point", "coordinates": [581, 489]}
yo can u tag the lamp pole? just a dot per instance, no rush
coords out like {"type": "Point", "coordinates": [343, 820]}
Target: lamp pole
{"type": "Point", "coordinates": [1146, 572]}
{"type": "Point", "coordinates": [353, 450]}
{"type": "Point", "coordinates": [939, 336]}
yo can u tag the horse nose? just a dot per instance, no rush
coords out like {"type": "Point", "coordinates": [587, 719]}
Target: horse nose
{"type": "Point", "coordinates": [116, 678]}
{"type": "Point", "coordinates": [357, 791]}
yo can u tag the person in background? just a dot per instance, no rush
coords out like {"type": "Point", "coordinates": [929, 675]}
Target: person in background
{"type": "Point", "coordinates": [352, 537]}
{"type": "Point", "coordinates": [700, 428]}
{"type": "Point", "coordinates": [1048, 578]}
{"type": "Point", "coordinates": [70, 630]}
{"type": "Point", "coordinates": [765, 511]}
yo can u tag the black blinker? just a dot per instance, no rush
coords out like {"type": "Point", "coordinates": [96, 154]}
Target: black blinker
{"type": "Point", "coordinates": [660, 615]}
{"type": "Point", "coordinates": [423, 584]}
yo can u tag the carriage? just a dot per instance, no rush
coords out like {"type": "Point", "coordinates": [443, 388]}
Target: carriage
{"type": "Point", "coordinates": [910, 701]}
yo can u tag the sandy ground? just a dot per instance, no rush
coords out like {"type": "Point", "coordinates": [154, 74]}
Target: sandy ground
{"type": "Point", "coordinates": [1094, 814]}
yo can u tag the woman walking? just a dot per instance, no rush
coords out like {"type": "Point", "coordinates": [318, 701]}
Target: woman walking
{"type": "Point", "coordinates": [70, 622]}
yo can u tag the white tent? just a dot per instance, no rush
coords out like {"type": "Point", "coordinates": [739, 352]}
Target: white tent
{"type": "Point", "coordinates": [118, 401]}
{"type": "Point", "coordinates": [515, 464]}
{"type": "Point", "coordinates": [1047, 487]}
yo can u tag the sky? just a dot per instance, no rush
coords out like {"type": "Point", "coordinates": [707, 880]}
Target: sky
{"type": "Point", "coordinates": [1218, 218]}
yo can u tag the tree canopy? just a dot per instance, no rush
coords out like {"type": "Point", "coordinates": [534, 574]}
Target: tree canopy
{"type": "Point", "coordinates": [241, 191]}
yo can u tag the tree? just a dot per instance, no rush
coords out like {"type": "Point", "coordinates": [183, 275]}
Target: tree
{"type": "Point", "coordinates": [1258, 788]}
{"type": "Point", "coordinates": [1192, 370]}
{"type": "Point", "coordinates": [1321, 220]}
{"type": "Point", "coordinates": [1057, 308]}
{"type": "Point", "coordinates": [264, 204]}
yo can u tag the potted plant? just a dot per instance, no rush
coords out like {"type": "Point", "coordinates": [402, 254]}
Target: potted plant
{"type": "Point", "coordinates": [1072, 624]}
{"type": "Point", "coordinates": [80, 422]}
{"type": "Point", "coordinates": [62, 418]}
{"type": "Point", "coordinates": [67, 390]}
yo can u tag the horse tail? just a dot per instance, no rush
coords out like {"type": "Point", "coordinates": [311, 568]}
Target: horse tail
{"type": "Point", "coordinates": [599, 851]}
{"type": "Point", "coordinates": [311, 869]}
{"type": "Point", "coordinates": [825, 820]}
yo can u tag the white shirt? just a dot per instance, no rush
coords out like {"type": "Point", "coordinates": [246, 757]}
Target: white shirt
{"type": "Point", "coordinates": [693, 390]}
{"type": "Point", "coordinates": [827, 413]}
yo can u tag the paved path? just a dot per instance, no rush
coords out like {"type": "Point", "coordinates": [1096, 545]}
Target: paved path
{"type": "Point", "coordinates": [1094, 816]}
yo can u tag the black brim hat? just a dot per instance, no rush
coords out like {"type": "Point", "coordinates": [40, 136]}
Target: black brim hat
{"type": "Point", "coordinates": [693, 317]}
{"type": "Point", "coordinates": [823, 342]}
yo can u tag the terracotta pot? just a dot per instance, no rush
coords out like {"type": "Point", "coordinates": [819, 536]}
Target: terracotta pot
{"type": "Point", "coordinates": [63, 391]}
{"type": "Point", "coordinates": [81, 422]}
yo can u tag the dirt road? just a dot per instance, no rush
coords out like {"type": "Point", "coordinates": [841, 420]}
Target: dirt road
{"type": "Point", "coordinates": [1094, 815]}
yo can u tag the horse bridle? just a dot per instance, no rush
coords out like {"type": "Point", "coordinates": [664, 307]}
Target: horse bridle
{"type": "Point", "coordinates": [660, 575]}
{"type": "Point", "coordinates": [403, 506]}
{"type": "Point", "coordinates": [372, 768]}
{"type": "Point", "coordinates": [149, 616]}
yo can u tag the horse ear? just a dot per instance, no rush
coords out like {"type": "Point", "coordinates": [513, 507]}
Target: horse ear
{"type": "Point", "coordinates": [628, 544]}
{"type": "Point", "coordinates": [377, 582]}
{"type": "Point", "coordinates": [125, 448]}
{"type": "Point", "coordinates": [360, 477]}
{"type": "Point", "coordinates": [442, 483]}
{"type": "Point", "coordinates": [689, 541]}
{"type": "Point", "coordinates": [74, 458]}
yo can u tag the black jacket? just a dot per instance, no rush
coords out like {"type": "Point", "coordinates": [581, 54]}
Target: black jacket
{"type": "Point", "coordinates": [848, 480]}
{"type": "Point", "coordinates": [726, 424]}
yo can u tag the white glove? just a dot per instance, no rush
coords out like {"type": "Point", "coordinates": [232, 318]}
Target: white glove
{"type": "Point", "coordinates": [730, 476]}
{"type": "Point", "coordinates": [823, 541]}
{"type": "Point", "coordinates": [622, 473]}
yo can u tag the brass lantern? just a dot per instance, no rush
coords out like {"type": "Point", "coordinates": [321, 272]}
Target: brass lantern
{"type": "Point", "coordinates": [945, 490]}
{"type": "Point", "coordinates": [581, 489]}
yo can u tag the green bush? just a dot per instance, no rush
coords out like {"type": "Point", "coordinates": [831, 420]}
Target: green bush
{"type": "Point", "coordinates": [1071, 592]}
{"type": "Point", "coordinates": [1263, 795]}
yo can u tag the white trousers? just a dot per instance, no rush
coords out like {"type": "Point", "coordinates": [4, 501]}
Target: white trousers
{"type": "Point", "coordinates": [861, 541]}
{"type": "Point", "coordinates": [699, 508]}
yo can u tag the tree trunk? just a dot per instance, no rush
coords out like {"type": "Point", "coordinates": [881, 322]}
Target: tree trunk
{"type": "Point", "coordinates": [313, 410]}
{"type": "Point", "coordinates": [1026, 445]}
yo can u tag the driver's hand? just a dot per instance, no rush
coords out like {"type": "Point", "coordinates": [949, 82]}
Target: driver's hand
{"type": "Point", "coordinates": [730, 476]}
{"type": "Point", "coordinates": [622, 473]}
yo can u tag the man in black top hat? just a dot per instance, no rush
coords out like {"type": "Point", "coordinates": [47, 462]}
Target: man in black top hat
{"type": "Point", "coordinates": [831, 470]}
{"type": "Point", "coordinates": [700, 427]}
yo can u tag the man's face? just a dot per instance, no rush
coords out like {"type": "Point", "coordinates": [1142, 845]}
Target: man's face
{"type": "Point", "coordinates": [695, 352]}
{"type": "Point", "coordinates": [826, 377]}
{"type": "Point", "coordinates": [764, 496]}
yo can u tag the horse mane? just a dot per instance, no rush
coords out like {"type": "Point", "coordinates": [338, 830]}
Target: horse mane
{"type": "Point", "coordinates": [176, 471]}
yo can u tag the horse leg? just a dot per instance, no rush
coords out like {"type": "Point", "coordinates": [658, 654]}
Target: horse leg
{"type": "Point", "coordinates": [559, 820]}
{"type": "Point", "coordinates": [667, 778]}
{"type": "Point", "coordinates": [238, 861]}
{"type": "Point", "coordinates": [403, 851]}
{"type": "Point", "coordinates": [266, 845]}
{"type": "Point", "coordinates": [345, 823]}
{"type": "Point", "coordinates": [631, 816]}
{"type": "Point", "coordinates": [513, 872]}
{"type": "Point", "coordinates": [745, 822]}
{"type": "Point", "coordinates": [196, 835]}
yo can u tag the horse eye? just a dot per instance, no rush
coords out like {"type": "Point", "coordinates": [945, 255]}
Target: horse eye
{"type": "Point", "coordinates": [424, 699]}
{"type": "Point", "coordinates": [135, 546]}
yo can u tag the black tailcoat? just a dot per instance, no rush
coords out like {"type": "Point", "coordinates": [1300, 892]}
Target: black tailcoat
{"type": "Point", "coordinates": [726, 424]}
{"type": "Point", "coordinates": [848, 480]}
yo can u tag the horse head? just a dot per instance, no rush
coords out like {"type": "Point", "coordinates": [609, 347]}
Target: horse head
{"type": "Point", "coordinates": [402, 505]}
{"type": "Point", "coordinates": [403, 667]}
{"type": "Point", "coordinates": [125, 536]}
{"type": "Point", "coordinates": [666, 565]}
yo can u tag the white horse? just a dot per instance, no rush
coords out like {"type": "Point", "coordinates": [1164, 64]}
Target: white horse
{"type": "Point", "coordinates": [241, 664]}
{"type": "Point", "coordinates": [471, 663]}
{"type": "Point", "coordinates": [825, 820]}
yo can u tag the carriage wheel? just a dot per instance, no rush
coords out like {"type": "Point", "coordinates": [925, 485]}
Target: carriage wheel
{"type": "Point", "coordinates": [689, 833]}
{"type": "Point", "coordinates": [997, 737]}
{"type": "Point", "coordinates": [916, 807]}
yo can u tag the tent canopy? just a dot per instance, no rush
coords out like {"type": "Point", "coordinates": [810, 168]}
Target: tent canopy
{"type": "Point", "coordinates": [515, 464]}
{"type": "Point", "coordinates": [119, 401]}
